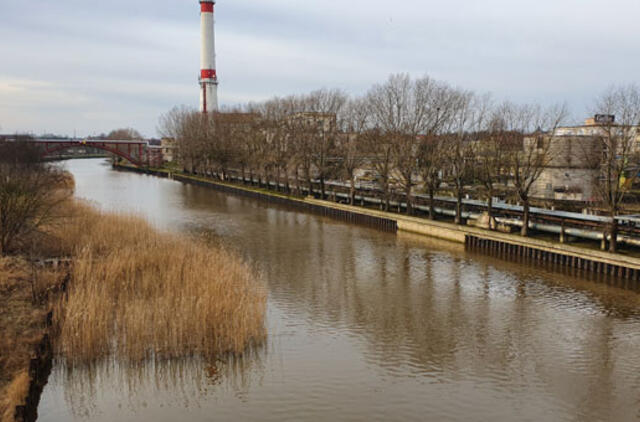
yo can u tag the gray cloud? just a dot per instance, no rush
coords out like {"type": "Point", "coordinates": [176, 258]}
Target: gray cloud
{"type": "Point", "coordinates": [93, 66]}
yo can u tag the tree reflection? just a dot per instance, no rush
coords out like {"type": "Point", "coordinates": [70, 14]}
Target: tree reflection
{"type": "Point", "coordinates": [430, 309]}
{"type": "Point", "coordinates": [181, 383]}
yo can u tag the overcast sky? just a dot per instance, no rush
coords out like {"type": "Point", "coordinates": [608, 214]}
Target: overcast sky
{"type": "Point", "coordinates": [92, 66]}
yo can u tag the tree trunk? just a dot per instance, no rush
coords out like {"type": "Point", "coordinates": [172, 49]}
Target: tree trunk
{"type": "Point", "coordinates": [432, 210]}
{"type": "Point", "coordinates": [407, 194]}
{"type": "Point", "coordinates": [458, 218]}
{"type": "Point", "coordinates": [322, 195]}
{"type": "Point", "coordinates": [307, 174]}
{"type": "Point", "coordinates": [490, 210]}
{"type": "Point", "coordinates": [352, 190]}
{"type": "Point", "coordinates": [387, 199]}
{"type": "Point", "coordinates": [613, 232]}
{"type": "Point", "coordinates": [525, 218]}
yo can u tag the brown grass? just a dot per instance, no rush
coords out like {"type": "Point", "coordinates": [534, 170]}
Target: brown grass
{"type": "Point", "coordinates": [14, 395]}
{"type": "Point", "coordinates": [22, 325]}
{"type": "Point", "coordinates": [140, 294]}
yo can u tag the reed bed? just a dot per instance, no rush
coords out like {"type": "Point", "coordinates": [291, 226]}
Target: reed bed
{"type": "Point", "coordinates": [138, 294]}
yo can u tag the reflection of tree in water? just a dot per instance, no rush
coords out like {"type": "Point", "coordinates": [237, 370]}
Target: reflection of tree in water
{"type": "Point", "coordinates": [445, 315]}
{"type": "Point", "coordinates": [174, 383]}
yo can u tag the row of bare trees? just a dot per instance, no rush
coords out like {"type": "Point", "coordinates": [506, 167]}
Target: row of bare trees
{"type": "Point", "coordinates": [410, 132]}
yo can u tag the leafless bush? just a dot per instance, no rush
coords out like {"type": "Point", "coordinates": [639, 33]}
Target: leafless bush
{"type": "Point", "coordinates": [30, 191]}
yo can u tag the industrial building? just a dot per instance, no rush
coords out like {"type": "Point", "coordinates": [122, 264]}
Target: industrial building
{"type": "Point", "coordinates": [573, 166]}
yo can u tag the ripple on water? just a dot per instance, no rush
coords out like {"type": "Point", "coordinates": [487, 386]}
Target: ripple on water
{"type": "Point", "coordinates": [370, 326]}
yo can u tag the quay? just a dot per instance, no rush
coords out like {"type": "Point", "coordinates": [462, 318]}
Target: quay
{"type": "Point", "coordinates": [502, 245]}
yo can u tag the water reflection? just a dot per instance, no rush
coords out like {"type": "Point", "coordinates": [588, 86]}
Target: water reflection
{"type": "Point", "coordinates": [131, 386]}
{"type": "Point", "coordinates": [371, 326]}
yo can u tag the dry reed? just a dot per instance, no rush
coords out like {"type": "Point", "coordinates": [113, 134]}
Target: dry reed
{"type": "Point", "coordinates": [139, 294]}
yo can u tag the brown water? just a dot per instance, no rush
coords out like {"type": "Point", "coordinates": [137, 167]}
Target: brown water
{"type": "Point", "coordinates": [367, 326]}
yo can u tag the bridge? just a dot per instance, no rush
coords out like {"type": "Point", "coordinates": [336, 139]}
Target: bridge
{"type": "Point", "coordinates": [136, 152]}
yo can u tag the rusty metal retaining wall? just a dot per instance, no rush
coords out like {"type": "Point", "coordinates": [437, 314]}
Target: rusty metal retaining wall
{"type": "Point", "coordinates": [518, 252]}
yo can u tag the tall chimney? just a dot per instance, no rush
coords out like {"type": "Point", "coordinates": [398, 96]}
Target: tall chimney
{"type": "Point", "coordinates": [208, 77]}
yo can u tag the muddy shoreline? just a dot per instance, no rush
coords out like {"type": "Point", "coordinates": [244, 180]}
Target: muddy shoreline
{"type": "Point", "coordinates": [39, 371]}
{"type": "Point", "coordinates": [29, 327]}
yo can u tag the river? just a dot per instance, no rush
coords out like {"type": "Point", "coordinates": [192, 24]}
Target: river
{"type": "Point", "coordinates": [366, 326]}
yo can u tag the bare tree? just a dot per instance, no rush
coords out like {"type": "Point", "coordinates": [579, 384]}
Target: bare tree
{"type": "Point", "coordinates": [494, 146]}
{"type": "Point", "coordinates": [30, 190]}
{"type": "Point", "coordinates": [430, 165]}
{"type": "Point", "coordinates": [350, 147]}
{"type": "Point", "coordinates": [379, 146]}
{"type": "Point", "coordinates": [226, 145]}
{"type": "Point", "coordinates": [537, 128]}
{"type": "Point", "coordinates": [303, 140]}
{"type": "Point", "coordinates": [241, 137]}
{"type": "Point", "coordinates": [124, 134]}
{"type": "Point", "coordinates": [467, 117]}
{"type": "Point", "coordinates": [280, 151]}
{"type": "Point", "coordinates": [170, 124]}
{"type": "Point", "coordinates": [325, 107]}
{"type": "Point", "coordinates": [200, 138]}
{"type": "Point", "coordinates": [617, 151]}
{"type": "Point", "coordinates": [401, 109]}
{"type": "Point", "coordinates": [431, 152]}
{"type": "Point", "coordinates": [188, 128]}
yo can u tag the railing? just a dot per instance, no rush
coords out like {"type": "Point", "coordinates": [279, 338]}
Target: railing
{"type": "Point", "coordinates": [564, 224]}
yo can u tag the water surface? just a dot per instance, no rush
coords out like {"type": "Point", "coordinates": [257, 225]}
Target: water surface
{"type": "Point", "coordinates": [365, 325]}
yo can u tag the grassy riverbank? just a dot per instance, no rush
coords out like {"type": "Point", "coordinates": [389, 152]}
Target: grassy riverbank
{"type": "Point", "coordinates": [23, 324]}
{"type": "Point", "coordinates": [133, 294]}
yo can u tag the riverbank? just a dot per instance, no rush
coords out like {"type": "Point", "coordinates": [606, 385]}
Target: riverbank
{"type": "Point", "coordinates": [27, 293]}
{"type": "Point", "coordinates": [129, 293]}
{"type": "Point", "coordinates": [505, 245]}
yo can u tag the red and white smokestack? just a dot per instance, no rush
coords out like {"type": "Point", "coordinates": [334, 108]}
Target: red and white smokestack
{"type": "Point", "coordinates": [208, 76]}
